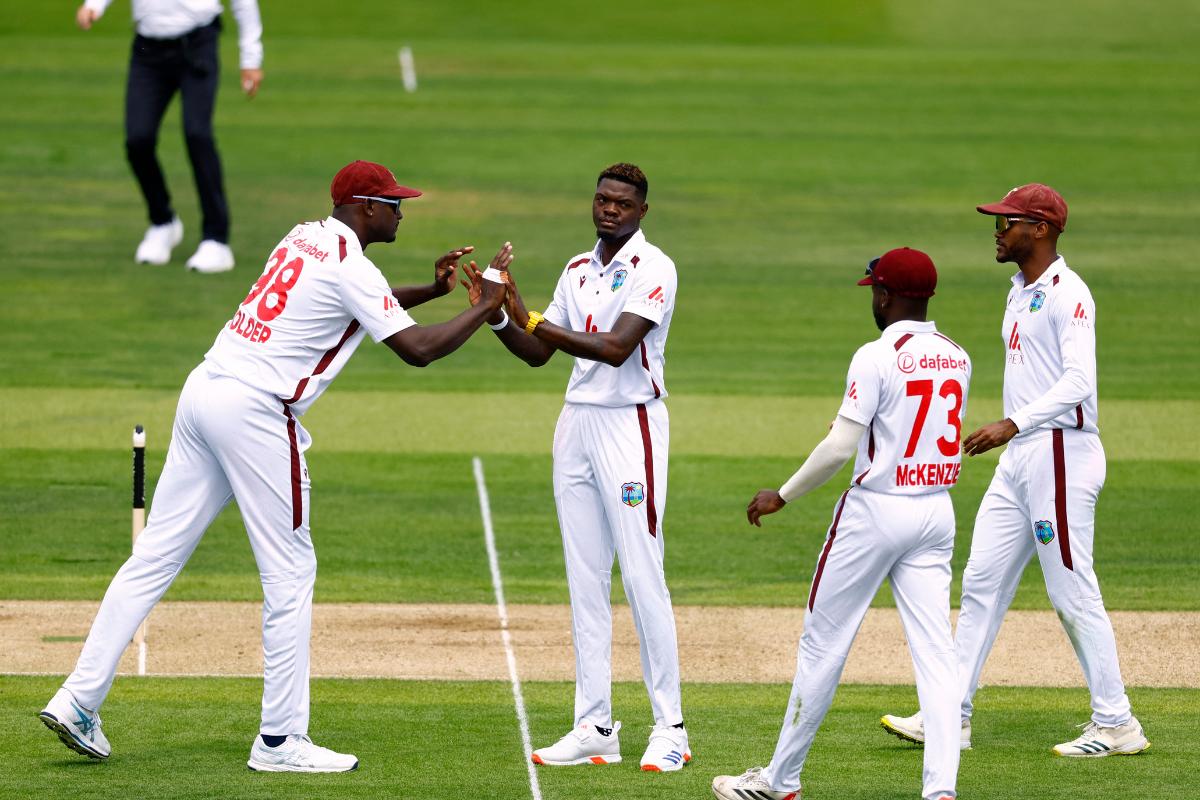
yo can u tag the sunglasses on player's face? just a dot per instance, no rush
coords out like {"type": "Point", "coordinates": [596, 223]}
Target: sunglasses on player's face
{"type": "Point", "coordinates": [394, 202]}
{"type": "Point", "coordinates": [1004, 223]}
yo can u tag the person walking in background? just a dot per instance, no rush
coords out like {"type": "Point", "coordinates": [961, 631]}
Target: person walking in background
{"type": "Point", "coordinates": [906, 394]}
{"type": "Point", "coordinates": [175, 50]}
{"type": "Point", "coordinates": [1042, 498]}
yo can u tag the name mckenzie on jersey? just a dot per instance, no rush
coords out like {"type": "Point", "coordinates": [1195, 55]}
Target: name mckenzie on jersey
{"type": "Point", "coordinates": [927, 474]}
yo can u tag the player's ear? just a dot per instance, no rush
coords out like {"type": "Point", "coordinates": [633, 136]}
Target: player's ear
{"type": "Point", "coordinates": [642, 213]}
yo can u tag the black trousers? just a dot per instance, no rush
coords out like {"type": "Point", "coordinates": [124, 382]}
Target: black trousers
{"type": "Point", "coordinates": [158, 68]}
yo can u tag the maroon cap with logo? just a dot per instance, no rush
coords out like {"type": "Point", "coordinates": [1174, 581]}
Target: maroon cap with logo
{"type": "Point", "coordinates": [1034, 200]}
{"type": "Point", "coordinates": [903, 271]}
{"type": "Point", "coordinates": [366, 179]}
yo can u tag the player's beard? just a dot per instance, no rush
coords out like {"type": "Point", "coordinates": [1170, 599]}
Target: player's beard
{"type": "Point", "coordinates": [880, 322]}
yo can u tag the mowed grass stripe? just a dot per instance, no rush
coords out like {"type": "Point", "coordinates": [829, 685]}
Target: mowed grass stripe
{"type": "Point", "coordinates": [462, 422]}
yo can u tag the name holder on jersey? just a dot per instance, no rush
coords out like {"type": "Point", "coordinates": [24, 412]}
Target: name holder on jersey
{"type": "Point", "coordinates": [944, 474]}
{"type": "Point", "coordinates": [249, 328]}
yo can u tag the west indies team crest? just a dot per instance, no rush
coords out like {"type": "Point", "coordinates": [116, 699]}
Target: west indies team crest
{"type": "Point", "coordinates": [1039, 298]}
{"type": "Point", "coordinates": [619, 279]}
{"type": "Point", "coordinates": [1044, 531]}
{"type": "Point", "coordinates": [632, 494]}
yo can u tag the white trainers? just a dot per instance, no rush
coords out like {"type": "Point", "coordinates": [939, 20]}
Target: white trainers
{"type": "Point", "coordinates": [211, 256]}
{"type": "Point", "coordinates": [76, 726]}
{"type": "Point", "coordinates": [912, 729]}
{"type": "Point", "coordinates": [298, 754]}
{"type": "Point", "coordinates": [584, 745]}
{"type": "Point", "coordinates": [748, 786]}
{"type": "Point", "coordinates": [668, 750]}
{"type": "Point", "coordinates": [1097, 741]}
{"type": "Point", "coordinates": [157, 243]}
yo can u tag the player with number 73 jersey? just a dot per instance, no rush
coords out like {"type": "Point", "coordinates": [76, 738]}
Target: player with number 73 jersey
{"type": "Point", "coordinates": [902, 412]}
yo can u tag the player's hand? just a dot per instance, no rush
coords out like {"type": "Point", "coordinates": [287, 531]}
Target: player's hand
{"type": "Point", "coordinates": [493, 293]}
{"type": "Point", "coordinates": [515, 304]}
{"type": "Point", "coordinates": [473, 283]}
{"type": "Point", "coordinates": [85, 17]}
{"type": "Point", "coordinates": [446, 267]}
{"type": "Point", "coordinates": [767, 501]}
{"type": "Point", "coordinates": [251, 80]}
{"type": "Point", "coordinates": [989, 436]}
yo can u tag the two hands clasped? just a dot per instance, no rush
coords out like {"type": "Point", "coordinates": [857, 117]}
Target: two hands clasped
{"type": "Point", "coordinates": [502, 297]}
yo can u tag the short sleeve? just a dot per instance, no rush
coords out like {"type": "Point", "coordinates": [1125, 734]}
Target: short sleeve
{"type": "Point", "coordinates": [556, 312]}
{"type": "Point", "coordinates": [863, 387]}
{"type": "Point", "coordinates": [652, 292]}
{"type": "Point", "coordinates": [366, 295]}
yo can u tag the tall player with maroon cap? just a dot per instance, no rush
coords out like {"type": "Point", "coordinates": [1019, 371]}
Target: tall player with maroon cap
{"type": "Point", "coordinates": [237, 434]}
{"type": "Point", "coordinates": [1042, 498]}
{"type": "Point", "coordinates": [906, 393]}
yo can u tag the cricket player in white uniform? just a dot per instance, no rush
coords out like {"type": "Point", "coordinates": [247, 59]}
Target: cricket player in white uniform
{"type": "Point", "coordinates": [611, 310]}
{"type": "Point", "coordinates": [237, 435]}
{"type": "Point", "coordinates": [906, 394]}
{"type": "Point", "coordinates": [1042, 498]}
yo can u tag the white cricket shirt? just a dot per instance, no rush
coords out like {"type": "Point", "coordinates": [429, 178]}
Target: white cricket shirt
{"type": "Point", "coordinates": [303, 319]}
{"type": "Point", "coordinates": [170, 19]}
{"type": "Point", "coordinates": [591, 296]}
{"type": "Point", "coordinates": [909, 387]}
{"type": "Point", "coordinates": [1050, 352]}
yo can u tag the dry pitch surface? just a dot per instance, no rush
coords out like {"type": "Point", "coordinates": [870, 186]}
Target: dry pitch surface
{"type": "Point", "coordinates": [462, 642]}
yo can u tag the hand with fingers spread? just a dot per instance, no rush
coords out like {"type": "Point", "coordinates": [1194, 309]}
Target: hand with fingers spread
{"type": "Point", "coordinates": [767, 501]}
{"type": "Point", "coordinates": [491, 292]}
{"type": "Point", "coordinates": [445, 268]}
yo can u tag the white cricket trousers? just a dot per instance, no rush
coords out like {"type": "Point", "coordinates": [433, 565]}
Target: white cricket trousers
{"type": "Point", "coordinates": [1046, 483]}
{"type": "Point", "coordinates": [229, 441]}
{"type": "Point", "coordinates": [908, 540]}
{"type": "Point", "coordinates": [610, 488]}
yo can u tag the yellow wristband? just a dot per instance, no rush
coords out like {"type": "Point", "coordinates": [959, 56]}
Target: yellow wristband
{"type": "Point", "coordinates": [535, 319]}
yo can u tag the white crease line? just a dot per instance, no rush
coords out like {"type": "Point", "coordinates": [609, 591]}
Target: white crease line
{"type": "Point", "coordinates": [485, 511]}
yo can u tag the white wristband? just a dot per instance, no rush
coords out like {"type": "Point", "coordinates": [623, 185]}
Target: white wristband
{"type": "Point", "coordinates": [494, 275]}
{"type": "Point", "coordinates": [502, 324]}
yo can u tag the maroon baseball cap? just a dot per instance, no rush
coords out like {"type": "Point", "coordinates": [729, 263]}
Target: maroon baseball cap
{"type": "Point", "coordinates": [1034, 200]}
{"type": "Point", "coordinates": [366, 179]}
{"type": "Point", "coordinates": [903, 271]}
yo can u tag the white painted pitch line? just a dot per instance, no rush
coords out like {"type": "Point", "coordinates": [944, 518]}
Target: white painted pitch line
{"type": "Point", "coordinates": [485, 511]}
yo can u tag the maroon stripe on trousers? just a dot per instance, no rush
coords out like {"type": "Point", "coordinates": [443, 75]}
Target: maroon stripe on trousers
{"type": "Point", "coordinates": [812, 593]}
{"type": "Point", "coordinates": [297, 494]}
{"type": "Point", "coordinates": [1060, 498]}
{"type": "Point", "coordinates": [648, 449]}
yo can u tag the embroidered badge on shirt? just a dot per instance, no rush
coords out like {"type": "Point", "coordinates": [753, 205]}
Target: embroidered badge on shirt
{"type": "Point", "coordinates": [1044, 531]}
{"type": "Point", "coordinates": [632, 494]}
{"type": "Point", "coordinates": [1039, 298]}
{"type": "Point", "coordinates": [619, 279]}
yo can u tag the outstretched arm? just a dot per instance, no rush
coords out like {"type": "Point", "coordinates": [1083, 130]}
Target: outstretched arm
{"type": "Point", "coordinates": [444, 271]}
{"type": "Point", "coordinates": [420, 345]}
{"type": "Point", "coordinates": [822, 464]}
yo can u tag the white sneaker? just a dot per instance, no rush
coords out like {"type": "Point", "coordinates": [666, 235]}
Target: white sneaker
{"type": "Point", "coordinates": [78, 727]}
{"type": "Point", "coordinates": [668, 750]}
{"type": "Point", "coordinates": [298, 754]}
{"type": "Point", "coordinates": [748, 786]}
{"type": "Point", "coordinates": [912, 729]}
{"type": "Point", "coordinates": [211, 256]}
{"type": "Point", "coordinates": [584, 745]}
{"type": "Point", "coordinates": [157, 243]}
{"type": "Point", "coordinates": [1097, 741]}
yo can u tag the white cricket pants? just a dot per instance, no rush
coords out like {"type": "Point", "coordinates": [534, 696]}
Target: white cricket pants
{"type": "Point", "coordinates": [1048, 481]}
{"type": "Point", "coordinates": [610, 488]}
{"type": "Point", "coordinates": [908, 540]}
{"type": "Point", "coordinates": [229, 441]}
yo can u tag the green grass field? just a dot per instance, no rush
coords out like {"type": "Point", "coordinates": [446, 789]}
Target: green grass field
{"type": "Point", "coordinates": [786, 144]}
